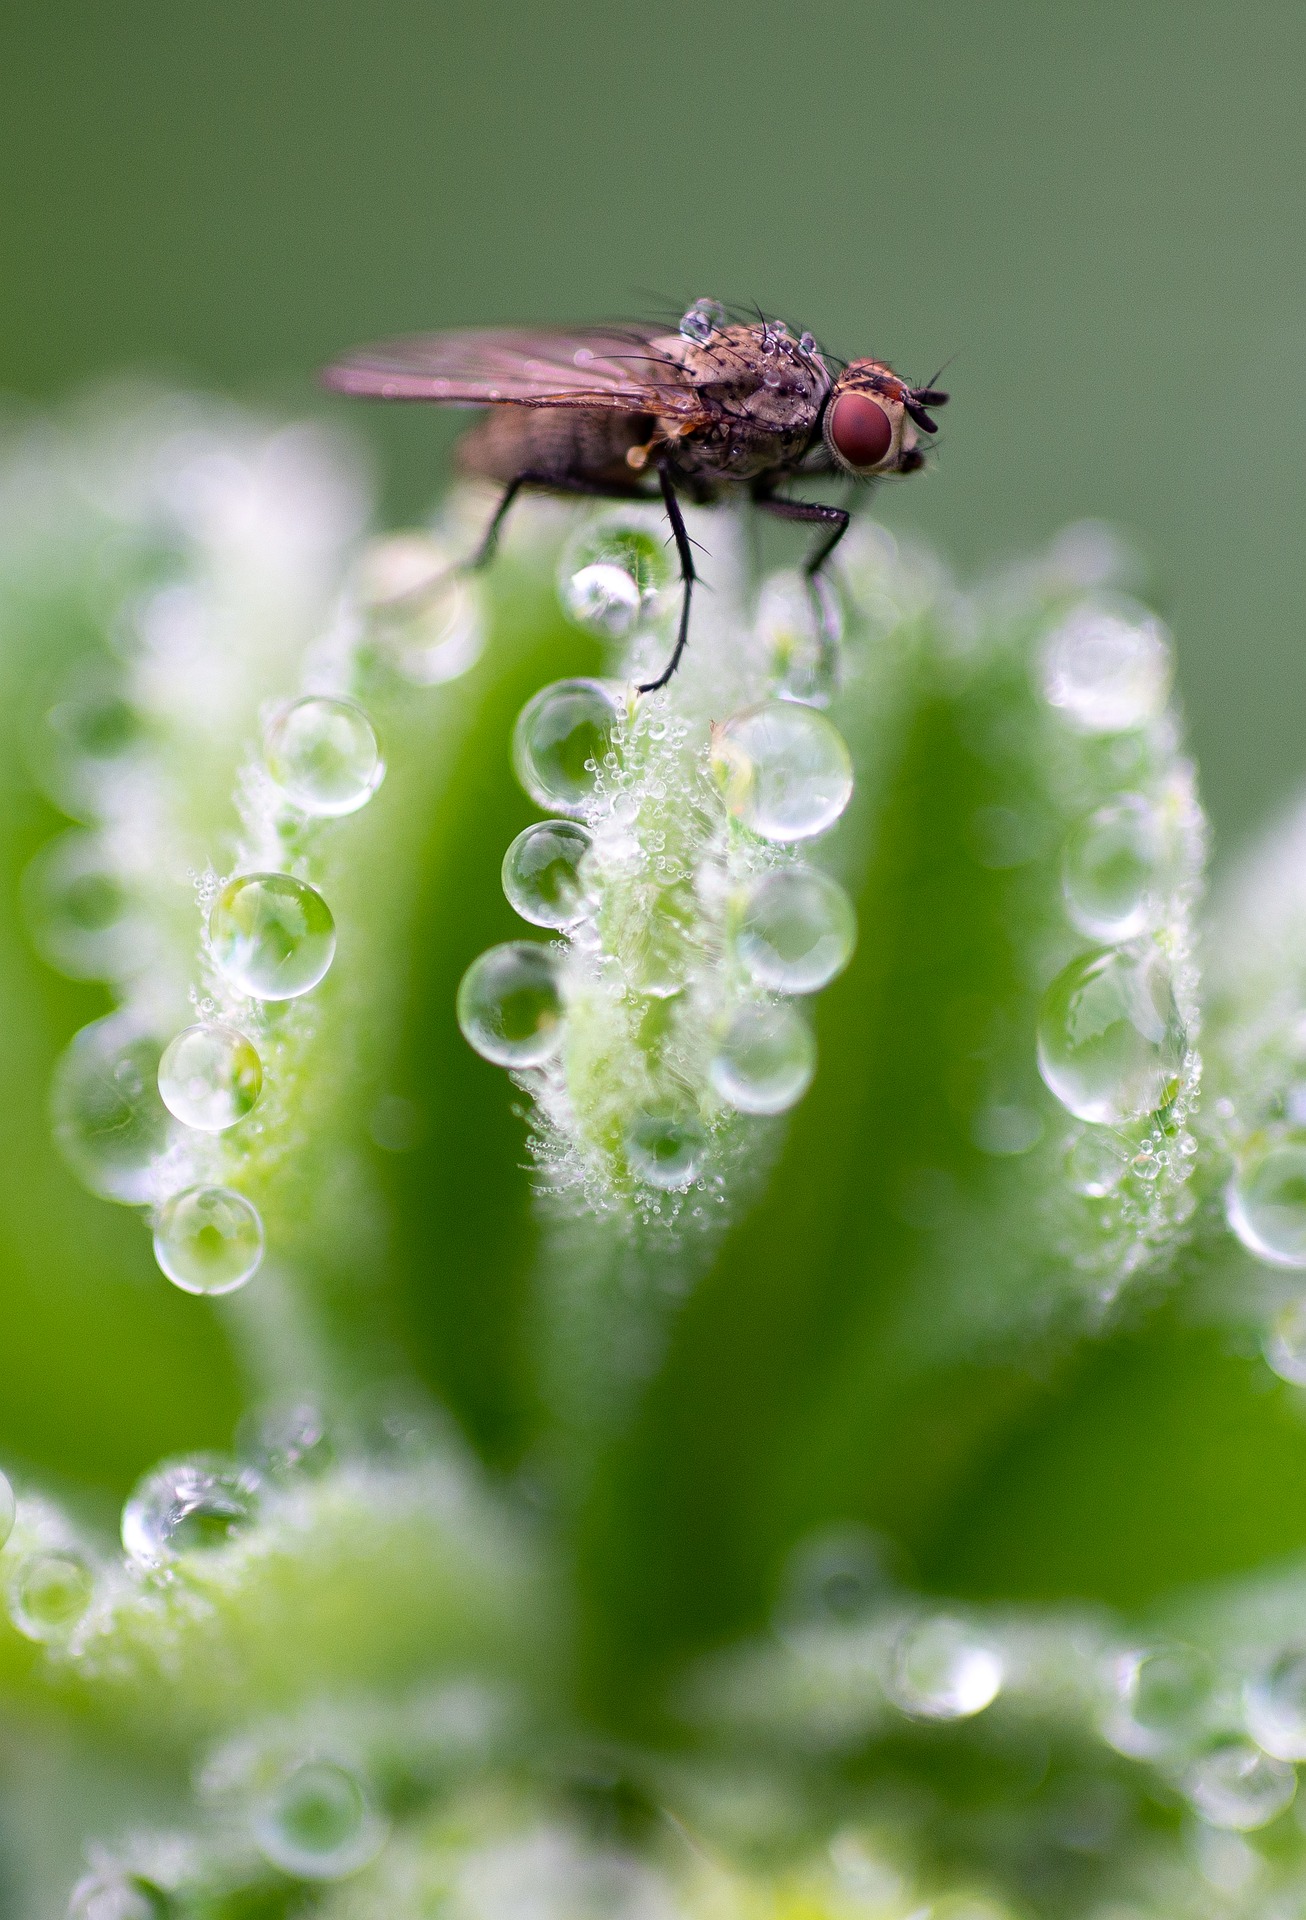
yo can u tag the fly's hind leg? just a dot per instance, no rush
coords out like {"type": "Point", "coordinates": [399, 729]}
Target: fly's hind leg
{"type": "Point", "coordinates": [687, 576]}
{"type": "Point", "coordinates": [548, 483]}
{"type": "Point", "coordinates": [836, 520]}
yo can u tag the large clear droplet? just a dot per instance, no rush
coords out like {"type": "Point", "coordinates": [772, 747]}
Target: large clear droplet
{"type": "Point", "coordinates": [1266, 1202]}
{"type": "Point", "coordinates": [208, 1240]}
{"type": "Point", "coordinates": [1107, 667]}
{"type": "Point", "coordinates": [613, 575]}
{"type": "Point", "coordinates": [324, 755]}
{"type": "Point", "coordinates": [561, 740]}
{"type": "Point", "coordinates": [702, 320]}
{"type": "Point", "coordinates": [783, 770]}
{"type": "Point", "coordinates": [1162, 1697]}
{"type": "Point", "coordinates": [764, 1060]}
{"type": "Point", "coordinates": [510, 1004]}
{"type": "Point", "coordinates": [942, 1671]}
{"type": "Point", "coordinates": [49, 1593]}
{"type": "Point", "coordinates": [82, 919]}
{"type": "Point", "coordinates": [272, 935]}
{"type": "Point", "coordinates": [210, 1077]}
{"type": "Point", "coordinates": [425, 611]}
{"type": "Point", "coordinates": [666, 1148]}
{"type": "Point", "coordinates": [1236, 1786]}
{"type": "Point", "coordinates": [188, 1506]}
{"type": "Point", "coordinates": [318, 1823]}
{"type": "Point", "coordinates": [1275, 1704]}
{"type": "Point", "coordinates": [541, 873]}
{"type": "Point", "coordinates": [796, 930]}
{"type": "Point", "coordinates": [109, 1121]}
{"type": "Point", "coordinates": [1114, 870]}
{"type": "Point", "coordinates": [1285, 1345]}
{"type": "Point", "coordinates": [1110, 1040]}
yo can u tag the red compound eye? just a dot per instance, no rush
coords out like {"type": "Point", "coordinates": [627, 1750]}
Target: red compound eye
{"type": "Point", "coordinates": [860, 430]}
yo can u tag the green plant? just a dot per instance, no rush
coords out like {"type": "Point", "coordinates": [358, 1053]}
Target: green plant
{"type": "Point", "coordinates": [561, 1561]}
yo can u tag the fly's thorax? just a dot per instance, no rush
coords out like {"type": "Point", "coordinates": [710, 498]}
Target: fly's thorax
{"type": "Point", "coordinates": [763, 391]}
{"type": "Point", "coordinates": [866, 426]}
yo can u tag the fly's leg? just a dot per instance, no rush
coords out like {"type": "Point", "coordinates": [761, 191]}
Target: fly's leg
{"type": "Point", "coordinates": [687, 576]}
{"type": "Point", "coordinates": [546, 482]}
{"type": "Point", "coordinates": [836, 519]}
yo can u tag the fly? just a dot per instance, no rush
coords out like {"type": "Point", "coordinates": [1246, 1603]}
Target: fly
{"type": "Point", "coordinates": [719, 405]}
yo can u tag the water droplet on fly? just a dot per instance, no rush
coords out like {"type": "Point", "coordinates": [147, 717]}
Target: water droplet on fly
{"type": "Point", "coordinates": [1110, 1040]}
{"type": "Point", "coordinates": [1114, 869]}
{"type": "Point", "coordinates": [666, 1148]}
{"type": "Point", "coordinates": [324, 755]}
{"type": "Point", "coordinates": [703, 319]}
{"type": "Point", "coordinates": [318, 1823]}
{"type": "Point", "coordinates": [272, 935]}
{"type": "Point", "coordinates": [1275, 1704]}
{"type": "Point", "coordinates": [942, 1672]}
{"type": "Point", "coordinates": [109, 1121]}
{"type": "Point", "coordinates": [510, 1004]}
{"type": "Point", "coordinates": [764, 1060]}
{"type": "Point", "coordinates": [80, 915]}
{"type": "Point", "coordinates": [49, 1593]}
{"type": "Point", "coordinates": [1285, 1346]}
{"type": "Point", "coordinates": [210, 1077]}
{"type": "Point", "coordinates": [1266, 1203]}
{"type": "Point", "coordinates": [807, 342]}
{"type": "Point", "coordinates": [561, 738]}
{"type": "Point", "coordinates": [783, 770]}
{"type": "Point", "coordinates": [188, 1506]}
{"type": "Point", "coordinates": [1235, 1785]}
{"type": "Point", "coordinates": [541, 873]}
{"type": "Point", "coordinates": [796, 930]}
{"type": "Point", "coordinates": [1107, 667]}
{"type": "Point", "coordinates": [208, 1240]}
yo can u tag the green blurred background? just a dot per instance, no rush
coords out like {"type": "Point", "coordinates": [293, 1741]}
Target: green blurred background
{"type": "Point", "coordinates": [1096, 208]}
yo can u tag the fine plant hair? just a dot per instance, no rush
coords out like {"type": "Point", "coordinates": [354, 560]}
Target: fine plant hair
{"type": "Point", "coordinates": [860, 1075]}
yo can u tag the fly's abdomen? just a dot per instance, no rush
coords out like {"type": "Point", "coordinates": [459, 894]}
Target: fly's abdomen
{"type": "Point", "coordinates": [554, 443]}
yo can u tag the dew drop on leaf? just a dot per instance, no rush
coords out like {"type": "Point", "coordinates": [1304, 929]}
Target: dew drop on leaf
{"type": "Point", "coordinates": [324, 755]}
{"type": "Point", "coordinates": [272, 935]}
{"type": "Point", "coordinates": [783, 770]}
{"type": "Point", "coordinates": [541, 873]}
{"type": "Point", "coordinates": [764, 1060]}
{"type": "Point", "coordinates": [188, 1506]}
{"type": "Point", "coordinates": [1266, 1202]}
{"type": "Point", "coordinates": [561, 739]}
{"type": "Point", "coordinates": [1111, 1043]}
{"type": "Point", "coordinates": [210, 1077]}
{"type": "Point", "coordinates": [208, 1239]}
{"type": "Point", "coordinates": [318, 1822]}
{"type": "Point", "coordinates": [510, 1004]}
{"type": "Point", "coordinates": [795, 931]}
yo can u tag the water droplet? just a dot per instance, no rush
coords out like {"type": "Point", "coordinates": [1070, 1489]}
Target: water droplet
{"type": "Point", "coordinates": [786, 625]}
{"type": "Point", "coordinates": [272, 935]}
{"type": "Point", "coordinates": [188, 1506]}
{"type": "Point", "coordinates": [1266, 1203]}
{"type": "Point", "coordinates": [289, 1440]}
{"type": "Point", "coordinates": [942, 1672]}
{"type": "Point", "coordinates": [807, 342]}
{"type": "Point", "coordinates": [560, 740]}
{"type": "Point", "coordinates": [783, 770]}
{"type": "Point", "coordinates": [1236, 1785]}
{"type": "Point", "coordinates": [796, 930]}
{"type": "Point", "coordinates": [541, 873]}
{"type": "Point", "coordinates": [666, 1148]}
{"type": "Point", "coordinates": [1110, 1040]}
{"type": "Point", "coordinates": [1107, 667]}
{"type": "Point", "coordinates": [318, 1823]}
{"type": "Point", "coordinates": [111, 1893]}
{"type": "Point", "coordinates": [324, 755]}
{"type": "Point", "coordinates": [210, 1077]}
{"type": "Point", "coordinates": [1162, 1695]}
{"type": "Point", "coordinates": [615, 573]}
{"type": "Point", "coordinates": [765, 1059]}
{"type": "Point", "coordinates": [109, 1121]}
{"type": "Point", "coordinates": [703, 319]}
{"type": "Point", "coordinates": [838, 1578]}
{"type": "Point", "coordinates": [1285, 1345]}
{"type": "Point", "coordinates": [1114, 868]}
{"type": "Point", "coordinates": [49, 1593]}
{"type": "Point", "coordinates": [1275, 1704]}
{"type": "Point", "coordinates": [510, 1004]}
{"type": "Point", "coordinates": [427, 613]}
{"type": "Point", "coordinates": [82, 918]}
{"type": "Point", "coordinates": [208, 1240]}
{"type": "Point", "coordinates": [8, 1508]}
{"type": "Point", "coordinates": [1097, 1163]}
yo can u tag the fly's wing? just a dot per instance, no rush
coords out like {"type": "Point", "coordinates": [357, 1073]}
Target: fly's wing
{"type": "Point", "coordinates": [625, 370]}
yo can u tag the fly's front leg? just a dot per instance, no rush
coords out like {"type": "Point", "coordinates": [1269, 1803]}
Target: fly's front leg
{"type": "Point", "coordinates": [687, 575]}
{"type": "Point", "coordinates": [836, 520]}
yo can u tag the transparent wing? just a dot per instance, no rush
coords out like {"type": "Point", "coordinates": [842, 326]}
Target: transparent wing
{"type": "Point", "coordinates": [626, 369]}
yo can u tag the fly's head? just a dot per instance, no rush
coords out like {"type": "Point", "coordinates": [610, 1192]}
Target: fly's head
{"type": "Point", "coordinates": [873, 421]}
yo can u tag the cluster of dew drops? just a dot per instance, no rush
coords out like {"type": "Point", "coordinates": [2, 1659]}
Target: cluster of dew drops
{"type": "Point", "coordinates": [606, 764]}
